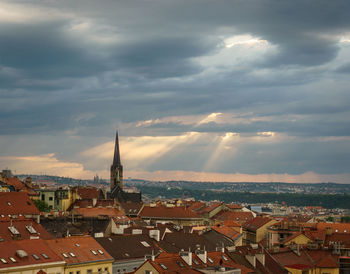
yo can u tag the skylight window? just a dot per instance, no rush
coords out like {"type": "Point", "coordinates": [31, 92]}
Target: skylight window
{"type": "Point", "coordinates": [72, 254]}
{"type": "Point", "coordinates": [65, 255]}
{"type": "Point", "coordinates": [93, 252]}
{"type": "Point", "coordinates": [14, 230]}
{"type": "Point", "coordinates": [180, 264]}
{"type": "Point", "coordinates": [13, 259]}
{"type": "Point", "coordinates": [100, 251]}
{"type": "Point", "coordinates": [3, 261]}
{"type": "Point", "coordinates": [9, 203]}
{"type": "Point", "coordinates": [195, 261]}
{"type": "Point", "coordinates": [163, 266]}
{"type": "Point", "coordinates": [36, 257]}
{"type": "Point", "coordinates": [224, 257]}
{"type": "Point", "coordinates": [77, 245]}
{"type": "Point", "coordinates": [45, 256]}
{"type": "Point", "coordinates": [210, 260]}
{"type": "Point", "coordinates": [31, 229]}
{"type": "Point", "coordinates": [145, 244]}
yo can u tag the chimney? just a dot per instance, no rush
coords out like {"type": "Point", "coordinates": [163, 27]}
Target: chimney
{"type": "Point", "coordinates": [202, 255]}
{"type": "Point", "coordinates": [94, 202]}
{"type": "Point", "coordinates": [186, 256]}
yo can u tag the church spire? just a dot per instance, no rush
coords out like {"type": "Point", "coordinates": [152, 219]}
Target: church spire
{"type": "Point", "coordinates": [116, 158]}
{"type": "Point", "coordinates": [116, 167]}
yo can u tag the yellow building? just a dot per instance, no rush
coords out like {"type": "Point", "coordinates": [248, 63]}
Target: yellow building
{"type": "Point", "coordinates": [255, 230]}
{"type": "Point", "coordinates": [82, 254]}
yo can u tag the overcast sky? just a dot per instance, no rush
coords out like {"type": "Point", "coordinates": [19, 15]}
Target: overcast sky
{"type": "Point", "coordinates": [231, 90]}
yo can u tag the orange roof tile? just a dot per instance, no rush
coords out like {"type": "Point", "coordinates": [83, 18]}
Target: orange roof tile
{"type": "Point", "coordinates": [81, 249]}
{"type": "Point", "coordinates": [34, 251]}
{"type": "Point", "coordinates": [256, 223]}
{"type": "Point", "coordinates": [100, 211]}
{"type": "Point", "coordinates": [237, 216]}
{"type": "Point", "coordinates": [227, 231]}
{"type": "Point", "coordinates": [15, 203]}
{"type": "Point", "coordinates": [178, 212]}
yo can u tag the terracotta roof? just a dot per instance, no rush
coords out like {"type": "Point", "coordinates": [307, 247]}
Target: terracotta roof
{"type": "Point", "coordinates": [299, 266]}
{"type": "Point", "coordinates": [197, 205]}
{"type": "Point", "coordinates": [88, 192]}
{"type": "Point", "coordinates": [336, 227]}
{"type": "Point", "coordinates": [178, 212]}
{"type": "Point", "coordinates": [30, 248]}
{"type": "Point", "coordinates": [17, 183]}
{"type": "Point", "coordinates": [227, 231]}
{"type": "Point", "coordinates": [209, 208]}
{"type": "Point", "coordinates": [84, 203]}
{"type": "Point", "coordinates": [327, 262]}
{"type": "Point", "coordinates": [77, 250]}
{"type": "Point", "coordinates": [237, 216]}
{"type": "Point", "coordinates": [25, 227]}
{"type": "Point", "coordinates": [234, 206]}
{"type": "Point", "coordinates": [256, 223]}
{"type": "Point", "coordinates": [100, 211]}
{"type": "Point", "coordinates": [131, 208]}
{"type": "Point", "coordinates": [15, 203]}
{"type": "Point", "coordinates": [126, 247]}
{"type": "Point", "coordinates": [342, 238]}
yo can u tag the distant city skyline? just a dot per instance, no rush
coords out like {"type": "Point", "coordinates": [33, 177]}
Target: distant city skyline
{"type": "Point", "coordinates": [201, 91]}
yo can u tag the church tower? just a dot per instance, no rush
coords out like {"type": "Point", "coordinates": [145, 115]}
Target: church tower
{"type": "Point", "coordinates": [116, 167]}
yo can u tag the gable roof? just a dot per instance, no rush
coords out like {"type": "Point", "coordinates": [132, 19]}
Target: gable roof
{"type": "Point", "coordinates": [15, 203]}
{"type": "Point", "coordinates": [100, 211]}
{"type": "Point", "coordinates": [88, 192]}
{"type": "Point", "coordinates": [178, 212]}
{"type": "Point", "coordinates": [237, 216]}
{"type": "Point", "coordinates": [29, 249]}
{"type": "Point", "coordinates": [125, 247]}
{"type": "Point", "coordinates": [27, 229]}
{"type": "Point", "coordinates": [227, 231]}
{"type": "Point", "coordinates": [256, 223]}
{"type": "Point", "coordinates": [79, 250]}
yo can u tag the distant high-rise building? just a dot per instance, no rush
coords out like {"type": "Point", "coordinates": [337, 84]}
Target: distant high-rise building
{"type": "Point", "coordinates": [116, 167]}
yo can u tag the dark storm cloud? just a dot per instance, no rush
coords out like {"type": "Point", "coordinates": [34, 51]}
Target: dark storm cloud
{"type": "Point", "coordinates": [92, 66]}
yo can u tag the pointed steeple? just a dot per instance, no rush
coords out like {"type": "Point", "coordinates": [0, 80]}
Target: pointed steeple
{"type": "Point", "coordinates": [116, 167]}
{"type": "Point", "coordinates": [116, 158]}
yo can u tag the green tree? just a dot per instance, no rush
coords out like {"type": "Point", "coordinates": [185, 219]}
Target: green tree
{"type": "Point", "coordinates": [41, 205]}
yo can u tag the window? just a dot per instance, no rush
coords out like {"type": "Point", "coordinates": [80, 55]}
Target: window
{"type": "Point", "coordinates": [72, 254]}
{"type": "Point", "coordinates": [100, 271]}
{"type": "Point", "coordinates": [9, 203]}
{"type": "Point", "coordinates": [50, 198]}
{"type": "Point", "coordinates": [100, 251]}
{"type": "Point", "coordinates": [78, 272]}
{"type": "Point", "coordinates": [65, 255]}
{"type": "Point", "coordinates": [36, 257]}
{"type": "Point", "coordinates": [210, 260]}
{"type": "Point", "coordinates": [3, 261]}
{"type": "Point", "coordinates": [13, 259]}
{"type": "Point", "coordinates": [89, 271]}
{"type": "Point", "coordinates": [77, 245]}
{"type": "Point", "coordinates": [71, 272]}
{"type": "Point", "coordinates": [93, 252]}
{"type": "Point", "coordinates": [45, 256]}
{"type": "Point", "coordinates": [163, 266]}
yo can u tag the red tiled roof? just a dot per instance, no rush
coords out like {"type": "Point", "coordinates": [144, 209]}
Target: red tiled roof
{"type": "Point", "coordinates": [256, 223]}
{"type": "Point", "coordinates": [209, 208]}
{"type": "Point", "coordinates": [31, 247]}
{"type": "Point", "coordinates": [336, 227]}
{"type": "Point", "coordinates": [178, 212]}
{"type": "Point", "coordinates": [15, 182]}
{"type": "Point", "coordinates": [15, 203]}
{"type": "Point", "coordinates": [21, 226]}
{"type": "Point", "coordinates": [237, 216]}
{"type": "Point", "coordinates": [98, 211]}
{"type": "Point", "coordinates": [327, 262]}
{"type": "Point", "coordinates": [227, 231]}
{"type": "Point", "coordinates": [234, 206]}
{"type": "Point", "coordinates": [79, 249]}
{"type": "Point", "coordinates": [342, 238]}
{"type": "Point", "coordinates": [88, 192]}
{"type": "Point", "coordinates": [299, 266]}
